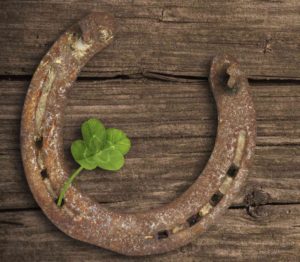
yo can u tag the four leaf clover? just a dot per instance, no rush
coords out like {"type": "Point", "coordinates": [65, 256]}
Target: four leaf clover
{"type": "Point", "coordinates": [100, 147]}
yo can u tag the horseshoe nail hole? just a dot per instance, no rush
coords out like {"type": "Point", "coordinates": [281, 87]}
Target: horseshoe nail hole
{"type": "Point", "coordinates": [162, 234]}
{"type": "Point", "coordinates": [38, 142]}
{"type": "Point", "coordinates": [232, 171]}
{"type": "Point", "coordinates": [44, 174]}
{"type": "Point", "coordinates": [216, 198]}
{"type": "Point", "coordinates": [192, 220]}
{"type": "Point", "coordinates": [225, 79]}
{"type": "Point", "coordinates": [62, 203]}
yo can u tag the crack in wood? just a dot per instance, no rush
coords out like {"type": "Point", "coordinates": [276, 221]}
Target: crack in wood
{"type": "Point", "coordinates": [30, 209]}
{"type": "Point", "coordinates": [151, 75]}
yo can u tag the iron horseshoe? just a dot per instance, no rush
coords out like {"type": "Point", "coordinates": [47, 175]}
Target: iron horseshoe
{"type": "Point", "coordinates": [151, 232]}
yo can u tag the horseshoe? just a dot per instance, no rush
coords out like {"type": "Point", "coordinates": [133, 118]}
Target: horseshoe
{"type": "Point", "coordinates": [150, 232]}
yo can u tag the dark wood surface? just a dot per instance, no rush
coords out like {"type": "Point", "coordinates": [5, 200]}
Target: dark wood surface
{"type": "Point", "coordinates": [152, 83]}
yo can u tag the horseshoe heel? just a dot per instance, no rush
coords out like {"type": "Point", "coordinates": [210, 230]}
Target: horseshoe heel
{"type": "Point", "coordinates": [155, 231]}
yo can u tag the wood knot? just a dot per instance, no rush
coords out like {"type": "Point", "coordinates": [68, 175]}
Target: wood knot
{"type": "Point", "coordinates": [267, 48]}
{"type": "Point", "coordinates": [254, 200]}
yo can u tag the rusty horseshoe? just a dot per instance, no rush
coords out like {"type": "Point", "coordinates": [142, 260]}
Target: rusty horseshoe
{"type": "Point", "coordinates": [150, 232]}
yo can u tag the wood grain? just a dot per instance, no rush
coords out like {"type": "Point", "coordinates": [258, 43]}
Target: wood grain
{"type": "Point", "coordinates": [172, 126]}
{"type": "Point", "coordinates": [152, 83]}
{"type": "Point", "coordinates": [171, 37]}
{"type": "Point", "coordinates": [272, 236]}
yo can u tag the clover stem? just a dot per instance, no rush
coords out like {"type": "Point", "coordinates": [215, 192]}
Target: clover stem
{"type": "Point", "coordinates": [67, 184]}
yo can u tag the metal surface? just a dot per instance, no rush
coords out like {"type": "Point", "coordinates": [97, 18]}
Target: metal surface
{"type": "Point", "coordinates": [155, 231]}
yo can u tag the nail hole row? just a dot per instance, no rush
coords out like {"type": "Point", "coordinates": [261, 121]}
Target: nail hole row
{"type": "Point", "coordinates": [45, 177]}
{"type": "Point", "coordinates": [223, 189]}
{"type": "Point", "coordinates": [214, 200]}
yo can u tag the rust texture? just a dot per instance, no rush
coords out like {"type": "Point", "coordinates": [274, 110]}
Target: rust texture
{"type": "Point", "coordinates": [155, 231]}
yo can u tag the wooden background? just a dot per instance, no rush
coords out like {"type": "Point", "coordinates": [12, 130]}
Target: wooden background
{"type": "Point", "coordinates": [152, 83]}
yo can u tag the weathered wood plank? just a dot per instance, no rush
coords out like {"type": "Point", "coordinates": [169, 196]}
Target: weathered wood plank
{"type": "Point", "coordinates": [150, 181]}
{"type": "Point", "coordinates": [272, 236]}
{"type": "Point", "coordinates": [173, 37]}
{"type": "Point", "coordinates": [172, 126]}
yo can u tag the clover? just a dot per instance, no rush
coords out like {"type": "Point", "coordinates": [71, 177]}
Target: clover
{"type": "Point", "coordinates": [100, 147]}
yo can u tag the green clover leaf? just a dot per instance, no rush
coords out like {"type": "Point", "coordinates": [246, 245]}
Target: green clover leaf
{"type": "Point", "coordinates": [100, 147]}
{"type": "Point", "coordinates": [110, 159]}
{"type": "Point", "coordinates": [93, 134]}
{"type": "Point", "coordinates": [118, 140]}
{"type": "Point", "coordinates": [82, 155]}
